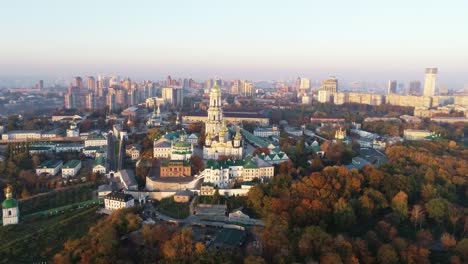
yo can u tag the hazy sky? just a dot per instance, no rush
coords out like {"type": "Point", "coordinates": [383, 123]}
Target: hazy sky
{"type": "Point", "coordinates": [354, 40]}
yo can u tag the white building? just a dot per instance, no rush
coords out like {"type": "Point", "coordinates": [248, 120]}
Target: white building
{"type": "Point", "coordinates": [22, 135]}
{"type": "Point", "coordinates": [193, 139]}
{"type": "Point", "coordinates": [306, 100]}
{"type": "Point", "coordinates": [71, 168]}
{"type": "Point", "coordinates": [96, 141]}
{"type": "Point", "coordinates": [414, 134]}
{"type": "Point", "coordinates": [92, 151]}
{"type": "Point", "coordinates": [162, 148]}
{"type": "Point", "coordinates": [294, 131]}
{"type": "Point", "coordinates": [265, 132]}
{"type": "Point", "coordinates": [99, 165]}
{"type": "Point", "coordinates": [116, 201]}
{"type": "Point", "coordinates": [133, 151]}
{"type": "Point", "coordinates": [324, 96]}
{"type": "Point", "coordinates": [224, 173]}
{"type": "Point", "coordinates": [49, 167]}
{"type": "Point", "coordinates": [68, 147]}
{"type": "Point", "coordinates": [73, 130]}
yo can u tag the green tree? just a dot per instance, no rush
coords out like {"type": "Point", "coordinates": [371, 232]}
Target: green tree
{"type": "Point", "coordinates": [216, 197]}
{"type": "Point", "coordinates": [343, 215]}
{"type": "Point", "coordinates": [437, 209]}
{"type": "Point", "coordinates": [313, 241]}
{"type": "Point", "coordinates": [462, 248]}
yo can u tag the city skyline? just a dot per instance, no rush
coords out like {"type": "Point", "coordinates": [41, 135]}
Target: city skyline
{"type": "Point", "coordinates": [362, 40]}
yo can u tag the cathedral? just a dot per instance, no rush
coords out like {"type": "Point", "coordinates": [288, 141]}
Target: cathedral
{"type": "Point", "coordinates": [218, 141]}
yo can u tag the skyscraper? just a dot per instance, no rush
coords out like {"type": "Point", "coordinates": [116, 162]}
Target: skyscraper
{"type": "Point", "coordinates": [414, 88]}
{"type": "Point", "coordinates": [40, 84]}
{"type": "Point", "coordinates": [430, 82]}
{"type": "Point", "coordinates": [91, 83]}
{"type": "Point", "coordinates": [392, 87]}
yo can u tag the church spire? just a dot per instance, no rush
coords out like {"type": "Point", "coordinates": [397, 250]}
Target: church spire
{"type": "Point", "coordinates": [9, 192]}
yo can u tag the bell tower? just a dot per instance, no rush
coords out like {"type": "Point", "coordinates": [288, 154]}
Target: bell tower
{"type": "Point", "coordinates": [215, 112]}
{"type": "Point", "coordinates": [10, 208]}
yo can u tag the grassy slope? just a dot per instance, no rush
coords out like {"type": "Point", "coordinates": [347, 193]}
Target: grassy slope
{"type": "Point", "coordinates": [40, 238]}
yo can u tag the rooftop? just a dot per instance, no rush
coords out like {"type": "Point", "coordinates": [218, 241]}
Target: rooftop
{"type": "Point", "coordinates": [50, 164]}
{"type": "Point", "coordinates": [99, 161]}
{"type": "Point", "coordinates": [71, 164]}
{"type": "Point", "coordinates": [228, 238]}
{"type": "Point", "coordinates": [128, 178]}
{"type": "Point", "coordinates": [119, 196]}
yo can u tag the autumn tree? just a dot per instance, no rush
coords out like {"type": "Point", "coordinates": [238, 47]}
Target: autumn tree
{"type": "Point", "coordinates": [400, 204]}
{"type": "Point", "coordinates": [387, 255]}
{"type": "Point", "coordinates": [343, 215]}
{"type": "Point", "coordinates": [197, 164]}
{"type": "Point", "coordinates": [313, 242]}
{"type": "Point", "coordinates": [448, 241]}
{"type": "Point", "coordinates": [180, 246]}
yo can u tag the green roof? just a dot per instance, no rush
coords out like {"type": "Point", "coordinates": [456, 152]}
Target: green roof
{"type": "Point", "coordinates": [92, 148]}
{"type": "Point", "coordinates": [9, 203]}
{"type": "Point", "coordinates": [99, 161]}
{"type": "Point", "coordinates": [314, 148]}
{"type": "Point", "coordinates": [96, 137]}
{"type": "Point", "coordinates": [229, 237]}
{"type": "Point", "coordinates": [217, 164]}
{"type": "Point", "coordinates": [172, 135]}
{"type": "Point", "coordinates": [71, 164]}
{"type": "Point", "coordinates": [248, 183]}
{"type": "Point", "coordinates": [40, 148]}
{"type": "Point", "coordinates": [50, 163]}
{"type": "Point", "coordinates": [250, 165]}
{"type": "Point", "coordinates": [182, 144]}
{"type": "Point", "coordinates": [254, 139]}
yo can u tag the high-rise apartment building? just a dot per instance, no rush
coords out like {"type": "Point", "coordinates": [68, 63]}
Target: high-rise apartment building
{"type": "Point", "coordinates": [78, 82]}
{"type": "Point", "coordinates": [235, 87]}
{"type": "Point", "coordinates": [330, 84]}
{"type": "Point", "coordinates": [90, 101]}
{"type": "Point", "coordinates": [173, 95]}
{"type": "Point", "coordinates": [430, 82]}
{"type": "Point", "coordinates": [392, 87]}
{"type": "Point", "coordinates": [247, 88]}
{"type": "Point", "coordinates": [110, 100]}
{"type": "Point", "coordinates": [208, 84]}
{"type": "Point", "coordinates": [305, 84]}
{"type": "Point", "coordinates": [91, 83]}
